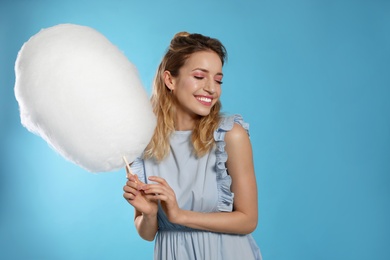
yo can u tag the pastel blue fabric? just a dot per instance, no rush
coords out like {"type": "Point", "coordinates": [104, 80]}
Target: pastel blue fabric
{"type": "Point", "coordinates": [202, 185]}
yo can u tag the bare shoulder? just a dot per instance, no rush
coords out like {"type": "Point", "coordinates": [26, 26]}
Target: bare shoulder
{"type": "Point", "coordinates": [236, 135]}
{"type": "Point", "coordinates": [238, 144]}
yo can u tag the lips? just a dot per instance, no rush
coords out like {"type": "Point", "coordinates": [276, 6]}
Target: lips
{"type": "Point", "coordinates": [204, 100]}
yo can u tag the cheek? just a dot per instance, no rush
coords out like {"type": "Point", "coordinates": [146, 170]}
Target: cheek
{"type": "Point", "coordinates": [219, 91]}
{"type": "Point", "coordinates": [187, 85]}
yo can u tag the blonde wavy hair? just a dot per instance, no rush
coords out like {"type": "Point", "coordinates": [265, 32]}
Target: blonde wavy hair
{"type": "Point", "coordinates": [181, 47]}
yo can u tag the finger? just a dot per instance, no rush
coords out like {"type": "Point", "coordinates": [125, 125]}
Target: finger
{"type": "Point", "coordinates": [158, 180]}
{"type": "Point", "coordinates": [132, 184]}
{"type": "Point", "coordinates": [134, 178]}
{"type": "Point", "coordinates": [129, 189]}
{"type": "Point", "coordinates": [129, 196]}
{"type": "Point", "coordinates": [158, 188]}
{"type": "Point", "coordinates": [151, 197]}
{"type": "Point", "coordinates": [149, 189]}
{"type": "Point", "coordinates": [153, 186]}
{"type": "Point", "coordinates": [159, 197]}
{"type": "Point", "coordinates": [135, 185]}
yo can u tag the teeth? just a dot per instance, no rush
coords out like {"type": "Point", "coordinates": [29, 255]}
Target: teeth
{"type": "Point", "coordinates": [204, 99]}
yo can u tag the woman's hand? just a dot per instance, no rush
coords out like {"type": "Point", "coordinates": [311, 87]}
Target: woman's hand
{"type": "Point", "coordinates": [163, 192]}
{"type": "Point", "coordinates": [141, 201]}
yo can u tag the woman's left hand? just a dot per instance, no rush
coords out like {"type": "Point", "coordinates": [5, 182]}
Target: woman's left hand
{"type": "Point", "coordinates": [163, 192]}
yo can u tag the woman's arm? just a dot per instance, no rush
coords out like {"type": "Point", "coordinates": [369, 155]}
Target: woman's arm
{"type": "Point", "coordinates": [145, 218]}
{"type": "Point", "coordinates": [243, 219]}
{"type": "Point", "coordinates": [146, 225]}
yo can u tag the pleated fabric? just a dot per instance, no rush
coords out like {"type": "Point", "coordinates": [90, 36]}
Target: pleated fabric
{"type": "Point", "coordinates": [202, 185]}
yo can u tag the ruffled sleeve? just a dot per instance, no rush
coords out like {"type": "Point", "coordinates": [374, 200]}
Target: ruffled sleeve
{"type": "Point", "coordinates": [137, 167]}
{"type": "Point", "coordinates": [224, 181]}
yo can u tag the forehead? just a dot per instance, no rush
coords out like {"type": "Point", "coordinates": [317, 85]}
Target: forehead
{"type": "Point", "coordinates": [207, 60]}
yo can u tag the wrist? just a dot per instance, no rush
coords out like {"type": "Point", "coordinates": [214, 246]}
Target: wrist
{"type": "Point", "coordinates": [149, 217]}
{"type": "Point", "coordinates": [181, 218]}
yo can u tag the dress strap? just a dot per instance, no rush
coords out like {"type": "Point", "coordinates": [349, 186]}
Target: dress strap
{"type": "Point", "coordinates": [224, 181]}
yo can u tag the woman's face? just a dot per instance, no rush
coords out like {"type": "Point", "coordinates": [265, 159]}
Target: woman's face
{"type": "Point", "coordinates": [198, 86]}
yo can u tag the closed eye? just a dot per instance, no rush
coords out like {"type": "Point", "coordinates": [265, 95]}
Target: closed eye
{"type": "Point", "coordinates": [219, 82]}
{"type": "Point", "coordinates": [198, 77]}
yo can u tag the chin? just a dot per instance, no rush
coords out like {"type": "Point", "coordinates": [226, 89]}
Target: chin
{"type": "Point", "coordinates": [204, 113]}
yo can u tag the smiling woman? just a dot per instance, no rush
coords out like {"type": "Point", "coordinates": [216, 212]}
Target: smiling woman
{"type": "Point", "coordinates": [196, 89]}
{"type": "Point", "coordinates": [195, 191]}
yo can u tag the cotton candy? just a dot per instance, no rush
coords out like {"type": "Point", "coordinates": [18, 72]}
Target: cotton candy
{"type": "Point", "coordinates": [80, 93]}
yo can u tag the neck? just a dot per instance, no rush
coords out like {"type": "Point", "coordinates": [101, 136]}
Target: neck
{"type": "Point", "coordinates": [185, 122]}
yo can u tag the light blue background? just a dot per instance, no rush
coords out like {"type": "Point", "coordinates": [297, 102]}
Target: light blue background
{"type": "Point", "coordinates": [312, 79]}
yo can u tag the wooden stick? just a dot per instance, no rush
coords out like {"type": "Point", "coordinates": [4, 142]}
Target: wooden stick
{"type": "Point", "coordinates": [129, 170]}
{"type": "Point", "coordinates": [127, 165]}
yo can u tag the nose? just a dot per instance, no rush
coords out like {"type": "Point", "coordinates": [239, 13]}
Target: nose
{"type": "Point", "coordinates": [209, 87]}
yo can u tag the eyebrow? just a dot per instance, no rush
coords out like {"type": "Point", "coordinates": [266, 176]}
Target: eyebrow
{"type": "Point", "coordinates": [204, 70]}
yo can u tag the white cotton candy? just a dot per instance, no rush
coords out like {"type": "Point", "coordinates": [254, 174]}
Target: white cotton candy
{"type": "Point", "coordinates": [81, 94]}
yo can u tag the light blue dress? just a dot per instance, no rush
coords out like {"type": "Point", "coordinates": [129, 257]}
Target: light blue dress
{"type": "Point", "coordinates": [203, 185]}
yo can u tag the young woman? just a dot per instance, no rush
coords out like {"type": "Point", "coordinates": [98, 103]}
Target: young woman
{"type": "Point", "coordinates": [194, 188]}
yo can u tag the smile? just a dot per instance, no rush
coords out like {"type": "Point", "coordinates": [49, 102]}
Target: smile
{"type": "Point", "coordinates": [204, 100]}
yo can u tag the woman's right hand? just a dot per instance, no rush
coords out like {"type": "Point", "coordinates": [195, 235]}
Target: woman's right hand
{"type": "Point", "coordinates": [137, 197]}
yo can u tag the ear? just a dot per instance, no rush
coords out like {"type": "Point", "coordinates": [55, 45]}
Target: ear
{"type": "Point", "coordinates": [169, 80]}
